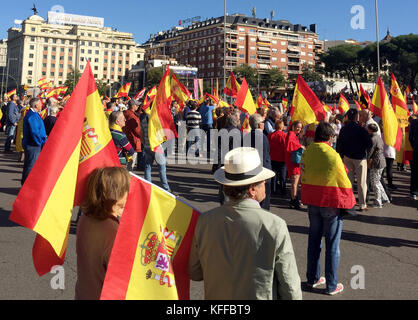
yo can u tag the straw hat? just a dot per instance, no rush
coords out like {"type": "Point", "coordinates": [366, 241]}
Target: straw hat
{"type": "Point", "coordinates": [242, 167]}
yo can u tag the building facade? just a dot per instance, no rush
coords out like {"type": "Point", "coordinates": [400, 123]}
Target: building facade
{"type": "Point", "coordinates": [41, 49]}
{"type": "Point", "coordinates": [260, 43]}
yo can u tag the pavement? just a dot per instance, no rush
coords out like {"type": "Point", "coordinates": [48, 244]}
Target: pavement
{"type": "Point", "coordinates": [379, 256]}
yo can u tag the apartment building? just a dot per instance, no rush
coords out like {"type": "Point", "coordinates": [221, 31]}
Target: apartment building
{"type": "Point", "coordinates": [260, 43]}
{"type": "Point", "coordinates": [43, 49]}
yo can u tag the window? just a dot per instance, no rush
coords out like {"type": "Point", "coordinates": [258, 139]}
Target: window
{"type": "Point", "coordinates": [303, 45]}
{"type": "Point", "coordinates": [31, 47]}
{"type": "Point", "coordinates": [241, 56]}
{"type": "Point", "coordinates": [70, 58]}
{"type": "Point", "coordinates": [33, 29]}
{"type": "Point", "coordinates": [61, 66]}
{"type": "Point", "coordinates": [60, 74]}
{"type": "Point", "coordinates": [253, 65]}
{"type": "Point", "coordinates": [44, 73]}
{"type": "Point", "coordinates": [96, 68]}
{"type": "Point", "coordinates": [52, 65]}
{"type": "Point", "coordinates": [273, 50]}
{"type": "Point", "coordinates": [70, 50]}
{"type": "Point", "coordinates": [44, 65]}
{"type": "Point", "coordinates": [96, 60]}
{"type": "Point", "coordinates": [283, 51]}
{"type": "Point", "coordinates": [241, 29]}
{"type": "Point", "coordinates": [283, 59]}
{"type": "Point", "coordinates": [32, 39]}
{"type": "Point", "coordinates": [274, 41]}
{"type": "Point", "coordinates": [54, 40]}
{"type": "Point", "coordinates": [252, 31]}
{"type": "Point", "coordinates": [54, 49]}
{"type": "Point", "coordinates": [53, 57]}
{"type": "Point", "coordinates": [45, 56]}
{"type": "Point", "coordinates": [62, 50]}
{"type": "Point", "coordinates": [45, 48]}
{"type": "Point", "coordinates": [52, 74]}
{"type": "Point", "coordinates": [62, 41]}
{"type": "Point", "coordinates": [46, 40]}
{"type": "Point", "coordinates": [303, 53]}
{"type": "Point", "coordinates": [252, 39]}
{"type": "Point", "coordinates": [252, 48]}
{"type": "Point", "coordinates": [106, 45]}
{"type": "Point", "coordinates": [97, 52]}
{"type": "Point", "coordinates": [90, 44]}
{"type": "Point", "coordinates": [241, 38]}
{"type": "Point", "coordinates": [89, 51]}
{"type": "Point", "coordinates": [82, 50]}
{"type": "Point", "coordinates": [29, 81]}
{"type": "Point", "coordinates": [309, 46]}
{"type": "Point", "coordinates": [310, 54]}
{"type": "Point", "coordinates": [30, 72]}
{"type": "Point", "coordinates": [283, 43]}
{"type": "Point", "coordinates": [252, 57]}
{"type": "Point", "coordinates": [30, 64]}
{"type": "Point", "coordinates": [30, 55]}
{"type": "Point", "coordinates": [274, 59]}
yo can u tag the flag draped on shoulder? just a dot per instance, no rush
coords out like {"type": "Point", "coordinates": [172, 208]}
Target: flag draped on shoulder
{"type": "Point", "coordinates": [151, 250]}
{"type": "Point", "coordinates": [343, 105]}
{"type": "Point", "coordinates": [232, 86]}
{"type": "Point", "coordinates": [324, 180]}
{"type": "Point", "coordinates": [57, 181]}
{"type": "Point", "coordinates": [161, 125]}
{"type": "Point", "coordinates": [244, 99]}
{"type": "Point", "coordinates": [391, 128]}
{"type": "Point", "coordinates": [123, 91]}
{"type": "Point", "coordinates": [307, 107]}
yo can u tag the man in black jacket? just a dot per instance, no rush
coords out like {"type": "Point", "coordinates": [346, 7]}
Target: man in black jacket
{"type": "Point", "coordinates": [413, 138]}
{"type": "Point", "coordinates": [352, 144]}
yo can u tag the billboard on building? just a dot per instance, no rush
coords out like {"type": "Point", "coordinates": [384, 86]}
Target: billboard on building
{"type": "Point", "coordinates": [73, 19]}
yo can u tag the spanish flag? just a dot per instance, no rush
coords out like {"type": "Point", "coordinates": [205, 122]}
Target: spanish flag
{"type": "Point", "coordinates": [399, 102]}
{"type": "Point", "coordinates": [10, 93]}
{"type": "Point", "coordinates": [179, 92]}
{"type": "Point", "coordinates": [42, 81]}
{"type": "Point", "coordinates": [244, 99]}
{"type": "Point", "coordinates": [284, 103]}
{"type": "Point", "coordinates": [357, 105]}
{"type": "Point", "coordinates": [391, 128]}
{"type": "Point", "coordinates": [245, 127]}
{"type": "Point", "coordinates": [364, 100]}
{"type": "Point", "coordinates": [123, 91]}
{"type": "Point", "coordinates": [232, 86]}
{"type": "Point", "coordinates": [57, 181]}
{"type": "Point", "coordinates": [140, 94]}
{"type": "Point", "coordinates": [414, 107]}
{"type": "Point", "coordinates": [266, 103]}
{"type": "Point", "coordinates": [152, 247]}
{"type": "Point", "coordinates": [161, 125]}
{"type": "Point", "coordinates": [149, 98]}
{"type": "Point", "coordinates": [324, 179]}
{"type": "Point", "coordinates": [307, 107]}
{"type": "Point", "coordinates": [260, 101]}
{"type": "Point", "coordinates": [343, 105]}
{"type": "Point", "coordinates": [46, 86]}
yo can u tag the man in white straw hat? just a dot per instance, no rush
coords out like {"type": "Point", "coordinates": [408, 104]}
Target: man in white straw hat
{"type": "Point", "coordinates": [241, 251]}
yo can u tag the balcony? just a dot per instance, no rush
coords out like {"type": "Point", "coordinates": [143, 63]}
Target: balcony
{"type": "Point", "coordinates": [293, 55]}
{"type": "Point", "coordinates": [263, 43]}
{"type": "Point", "coordinates": [233, 58]}
{"type": "Point", "coordinates": [293, 71]}
{"type": "Point", "coordinates": [264, 53]}
{"type": "Point", "coordinates": [293, 63]}
{"type": "Point", "coordinates": [264, 66]}
{"type": "Point", "coordinates": [293, 48]}
{"type": "Point", "coordinates": [263, 61]}
{"type": "Point", "coordinates": [234, 40]}
{"type": "Point", "coordinates": [231, 31]}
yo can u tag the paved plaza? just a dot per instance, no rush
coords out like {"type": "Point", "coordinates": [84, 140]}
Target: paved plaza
{"type": "Point", "coordinates": [381, 244]}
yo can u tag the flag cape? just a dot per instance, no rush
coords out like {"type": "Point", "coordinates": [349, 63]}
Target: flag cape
{"type": "Point", "coordinates": [140, 94]}
{"type": "Point", "coordinates": [245, 127]}
{"type": "Point", "coordinates": [161, 125]}
{"type": "Point", "coordinates": [307, 107]}
{"type": "Point", "coordinates": [343, 105]}
{"type": "Point", "coordinates": [324, 179]}
{"type": "Point", "coordinates": [179, 92]}
{"type": "Point", "coordinates": [399, 103]}
{"type": "Point", "coordinates": [364, 99]}
{"type": "Point", "coordinates": [123, 91]}
{"type": "Point", "coordinates": [391, 128]}
{"type": "Point", "coordinates": [244, 99]}
{"type": "Point", "coordinates": [57, 181]}
{"type": "Point", "coordinates": [151, 250]}
{"type": "Point", "coordinates": [414, 107]}
{"type": "Point", "coordinates": [232, 86]}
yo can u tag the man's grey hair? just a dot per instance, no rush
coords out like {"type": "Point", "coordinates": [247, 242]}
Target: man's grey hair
{"type": "Point", "coordinates": [273, 112]}
{"type": "Point", "coordinates": [114, 117]}
{"type": "Point", "coordinates": [255, 121]}
{"type": "Point", "coordinates": [52, 102]}
{"type": "Point", "coordinates": [53, 110]}
{"type": "Point", "coordinates": [232, 121]}
{"type": "Point", "coordinates": [33, 102]}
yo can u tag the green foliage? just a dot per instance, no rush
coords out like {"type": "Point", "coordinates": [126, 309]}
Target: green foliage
{"type": "Point", "coordinates": [154, 76]}
{"type": "Point", "coordinates": [272, 80]}
{"type": "Point", "coordinates": [102, 88]}
{"type": "Point", "coordinates": [72, 79]}
{"type": "Point", "coordinates": [310, 75]}
{"type": "Point", "coordinates": [249, 73]}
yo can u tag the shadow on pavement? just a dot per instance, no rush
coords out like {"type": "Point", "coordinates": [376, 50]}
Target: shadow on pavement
{"type": "Point", "coordinates": [4, 219]}
{"type": "Point", "coordinates": [360, 238]}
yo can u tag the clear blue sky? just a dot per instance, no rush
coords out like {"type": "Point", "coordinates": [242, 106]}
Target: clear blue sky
{"type": "Point", "coordinates": [142, 18]}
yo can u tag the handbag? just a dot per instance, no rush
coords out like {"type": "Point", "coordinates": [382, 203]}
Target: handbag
{"type": "Point", "coordinates": [297, 155]}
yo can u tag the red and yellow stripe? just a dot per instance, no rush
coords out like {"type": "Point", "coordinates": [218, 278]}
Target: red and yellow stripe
{"type": "Point", "coordinates": [152, 246]}
{"type": "Point", "coordinates": [244, 99]}
{"type": "Point", "coordinates": [324, 179]}
{"type": "Point", "coordinates": [343, 105]}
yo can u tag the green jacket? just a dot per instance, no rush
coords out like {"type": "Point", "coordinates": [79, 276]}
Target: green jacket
{"type": "Point", "coordinates": [243, 252]}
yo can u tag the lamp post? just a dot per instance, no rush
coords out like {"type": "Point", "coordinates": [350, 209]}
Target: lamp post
{"type": "Point", "coordinates": [377, 38]}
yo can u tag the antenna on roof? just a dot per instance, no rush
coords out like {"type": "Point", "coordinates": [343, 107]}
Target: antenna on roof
{"type": "Point", "coordinates": [271, 15]}
{"type": "Point", "coordinates": [254, 12]}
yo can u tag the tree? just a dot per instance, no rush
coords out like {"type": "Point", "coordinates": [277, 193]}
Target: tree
{"type": "Point", "coordinates": [248, 72]}
{"type": "Point", "coordinates": [72, 79]}
{"type": "Point", "coordinates": [310, 75]}
{"type": "Point", "coordinates": [154, 76]}
{"type": "Point", "coordinates": [343, 60]}
{"type": "Point", "coordinates": [102, 88]}
{"type": "Point", "coordinates": [272, 80]}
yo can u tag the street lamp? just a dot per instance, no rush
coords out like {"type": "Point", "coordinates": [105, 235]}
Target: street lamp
{"type": "Point", "coordinates": [377, 39]}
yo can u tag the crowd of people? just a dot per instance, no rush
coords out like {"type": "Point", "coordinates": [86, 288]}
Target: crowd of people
{"type": "Point", "coordinates": [343, 150]}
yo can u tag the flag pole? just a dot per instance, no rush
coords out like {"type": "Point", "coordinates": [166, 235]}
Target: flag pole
{"type": "Point", "coordinates": [377, 39]}
{"type": "Point", "coordinates": [224, 47]}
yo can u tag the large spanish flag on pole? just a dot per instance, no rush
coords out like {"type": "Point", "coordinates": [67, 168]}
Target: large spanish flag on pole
{"type": "Point", "coordinates": [151, 250]}
{"type": "Point", "coordinates": [57, 181]}
{"type": "Point", "coordinates": [232, 86]}
{"type": "Point", "coordinates": [391, 128]}
{"type": "Point", "coordinates": [245, 100]}
{"type": "Point", "coordinates": [307, 107]}
{"type": "Point", "coordinates": [324, 179]}
{"type": "Point", "coordinates": [161, 125]}
{"type": "Point", "coordinates": [399, 103]}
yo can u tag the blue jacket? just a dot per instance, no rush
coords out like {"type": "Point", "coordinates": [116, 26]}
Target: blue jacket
{"type": "Point", "coordinates": [13, 114]}
{"type": "Point", "coordinates": [33, 130]}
